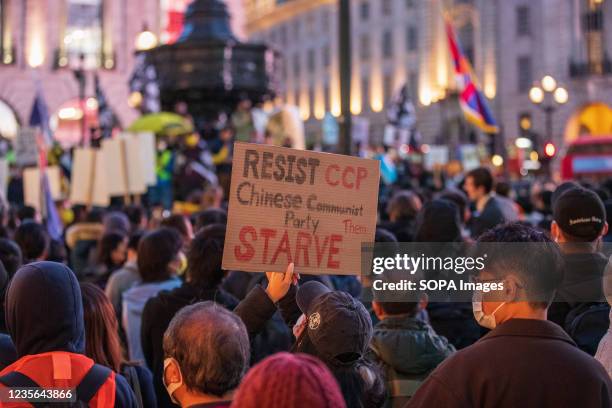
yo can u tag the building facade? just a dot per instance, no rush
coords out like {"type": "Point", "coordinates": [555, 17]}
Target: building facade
{"type": "Point", "coordinates": [44, 43]}
{"type": "Point", "coordinates": [512, 44]}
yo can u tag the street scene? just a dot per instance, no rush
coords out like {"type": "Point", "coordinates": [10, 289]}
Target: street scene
{"type": "Point", "coordinates": [290, 203]}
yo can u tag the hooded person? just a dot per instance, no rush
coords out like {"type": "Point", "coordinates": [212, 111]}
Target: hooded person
{"type": "Point", "coordinates": [49, 339]}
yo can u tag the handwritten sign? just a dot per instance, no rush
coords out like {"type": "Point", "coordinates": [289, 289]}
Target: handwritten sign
{"type": "Point", "coordinates": [287, 205]}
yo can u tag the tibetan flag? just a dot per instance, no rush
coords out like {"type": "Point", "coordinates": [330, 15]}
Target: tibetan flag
{"type": "Point", "coordinates": [471, 99]}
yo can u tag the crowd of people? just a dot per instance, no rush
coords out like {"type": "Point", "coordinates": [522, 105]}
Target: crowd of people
{"type": "Point", "coordinates": [130, 309]}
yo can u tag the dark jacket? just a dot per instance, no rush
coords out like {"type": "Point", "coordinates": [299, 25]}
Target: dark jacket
{"type": "Point", "coordinates": [408, 346]}
{"type": "Point", "coordinates": [157, 314]}
{"type": "Point", "coordinates": [44, 313]}
{"type": "Point", "coordinates": [582, 283]}
{"type": "Point", "coordinates": [403, 229]}
{"type": "Point", "coordinates": [406, 349]}
{"type": "Point", "coordinates": [491, 216]}
{"type": "Point", "coordinates": [521, 363]}
{"type": "Point", "coordinates": [145, 383]}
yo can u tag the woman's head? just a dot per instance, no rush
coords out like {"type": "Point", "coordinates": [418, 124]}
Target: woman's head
{"type": "Point", "coordinates": [309, 380]}
{"type": "Point", "coordinates": [403, 206]}
{"type": "Point", "coordinates": [205, 255]}
{"type": "Point", "coordinates": [112, 249]}
{"type": "Point", "coordinates": [101, 339]}
{"type": "Point", "coordinates": [158, 255]}
{"type": "Point", "coordinates": [438, 221]}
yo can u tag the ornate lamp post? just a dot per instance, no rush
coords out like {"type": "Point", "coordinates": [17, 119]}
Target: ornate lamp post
{"type": "Point", "coordinates": [548, 96]}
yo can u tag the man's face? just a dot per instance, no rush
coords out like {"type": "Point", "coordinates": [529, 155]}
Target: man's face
{"type": "Point", "coordinates": [473, 192]}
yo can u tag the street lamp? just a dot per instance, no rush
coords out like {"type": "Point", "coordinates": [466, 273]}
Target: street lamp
{"type": "Point", "coordinates": [145, 40]}
{"type": "Point", "coordinates": [548, 96]}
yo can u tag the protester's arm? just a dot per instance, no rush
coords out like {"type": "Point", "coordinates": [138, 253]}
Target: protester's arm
{"type": "Point", "coordinates": [289, 308]}
{"type": "Point", "coordinates": [259, 305]}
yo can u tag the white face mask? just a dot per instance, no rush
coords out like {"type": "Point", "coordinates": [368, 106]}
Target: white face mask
{"type": "Point", "coordinates": [485, 320]}
{"type": "Point", "coordinates": [171, 388]}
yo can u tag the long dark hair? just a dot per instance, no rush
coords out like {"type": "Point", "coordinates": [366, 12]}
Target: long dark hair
{"type": "Point", "coordinates": [102, 343]}
{"type": "Point", "coordinates": [107, 244]}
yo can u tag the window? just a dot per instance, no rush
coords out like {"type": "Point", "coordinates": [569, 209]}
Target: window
{"type": "Point", "coordinates": [387, 7]}
{"type": "Point", "coordinates": [365, 93]}
{"type": "Point", "coordinates": [326, 56]}
{"type": "Point", "coordinates": [466, 38]}
{"type": "Point", "coordinates": [83, 34]}
{"type": "Point", "coordinates": [296, 65]}
{"type": "Point", "coordinates": [409, 4]}
{"type": "Point", "coordinates": [413, 85]}
{"type": "Point", "coordinates": [411, 38]}
{"type": "Point", "coordinates": [283, 34]}
{"type": "Point", "coordinates": [326, 97]}
{"type": "Point", "coordinates": [311, 60]}
{"type": "Point", "coordinates": [364, 47]}
{"type": "Point", "coordinates": [387, 88]}
{"type": "Point", "coordinates": [296, 29]}
{"type": "Point", "coordinates": [325, 20]}
{"type": "Point", "coordinates": [525, 77]}
{"type": "Point", "coordinates": [523, 23]}
{"type": "Point", "coordinates": [387, 44]}
{"type": "Point", "coordinates": [364, 10]}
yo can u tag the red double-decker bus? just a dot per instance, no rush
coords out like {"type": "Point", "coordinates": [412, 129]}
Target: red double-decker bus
{"type": "Point", "coordinates": [588, 157]}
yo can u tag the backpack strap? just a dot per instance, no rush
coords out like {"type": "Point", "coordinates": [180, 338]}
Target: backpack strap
{"type": "Point", "coordinates": [15, 379]}
{"type": "Point", "coordinates": [92, 382]}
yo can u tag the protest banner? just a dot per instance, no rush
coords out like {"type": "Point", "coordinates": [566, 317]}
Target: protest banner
{"type": "Point", "coordinates": [287, 205]}
{"type": "Point", "coordinates": [436, 156]}
{"type": "Point", "coordinates": [86, 187]}
{"type": "Point", "coordinates": [32, 189]}
{"type": "Point", "coordinates": [26, 148]}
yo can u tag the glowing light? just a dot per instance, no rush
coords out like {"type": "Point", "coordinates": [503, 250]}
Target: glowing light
{"type": "Point", "coordinates": [561, 96]}
{"type": "Point", "coordinates": [91, 103]}
{"type": "Point", "coordinates": [522, 143]}
{"type": "Point", "coordinates": [525, 123]}
{"type": "Point", "coordinates": [534, 156]}
{"type": "Point", "coordinates": [109, 64]}
{"type": "Point", "coordinates": [135, 99]}
{"type": "Point", "coordinates": [550, 149]}
{"type": "Point", "coordinates": [145, 41]}
{"type": "Point", "coordinates": [536, 95]}
{"type": "Point", "coordinates": [549, 83]}
{"type": "Point", "coordinates": [425, 96]}
{"type": "Point", "coordinates": [8, 58]}
{"type": "Point", "coordinates": [497, 160]}
{"type": "Point", "coordinates": [70, 113]}
{"type": "Point", "coordinates": [425, 148]}
{"type": "Point", "coordinates": [36, 56]}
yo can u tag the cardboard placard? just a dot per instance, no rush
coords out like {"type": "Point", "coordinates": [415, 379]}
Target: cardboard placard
{"type": "Point", "coordinates": [26, 148]}
{"type": "Point", "coordinates": [288, 205]}
{"type": "Point", "coordinates": [87, 187]}
{"type": "Point", "coordinates": [32, 189]}
{"type": "Point", "coordinates": [437, 156]}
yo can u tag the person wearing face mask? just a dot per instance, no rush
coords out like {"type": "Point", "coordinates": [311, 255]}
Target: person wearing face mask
{"type": "Point", "coordinates": [579, 223]}
{"type": "Point", "coordinates": [159, 258]}
{"type": "Point", "coordinates": [525, 360]}
{"type": "Point", "coordinates": [207, 353]}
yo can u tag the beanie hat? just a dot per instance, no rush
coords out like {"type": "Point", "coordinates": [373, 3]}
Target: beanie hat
{"type": "Point", "coordinates": [287, 380]}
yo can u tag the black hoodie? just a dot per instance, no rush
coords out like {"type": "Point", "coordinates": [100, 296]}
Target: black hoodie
{"type": "Point", "coordinates": [44, 313]}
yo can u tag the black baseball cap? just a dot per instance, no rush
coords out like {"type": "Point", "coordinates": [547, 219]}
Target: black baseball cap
{"type": "Point", "coordinates": [580, 213]}
{"type": "Point", "coordinates": [562, 188]}
{"type": "Point", "coordinates": [338, 326]}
